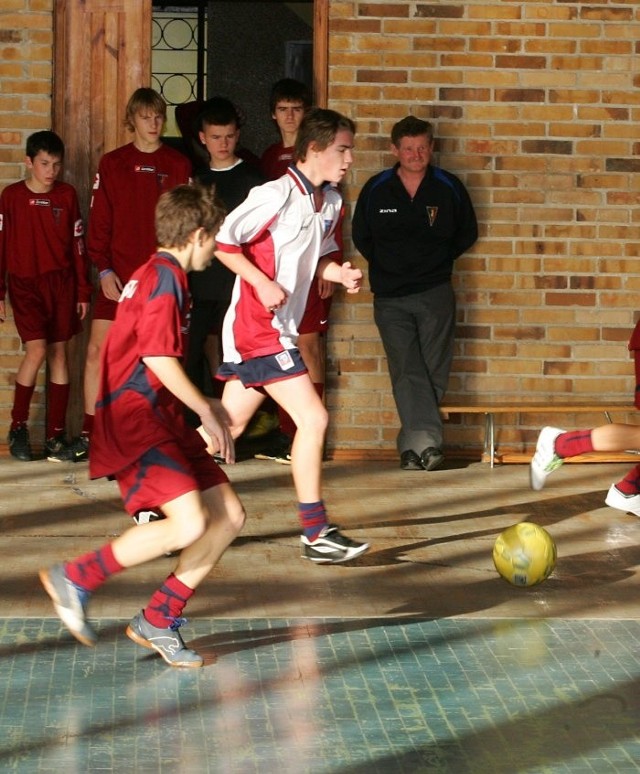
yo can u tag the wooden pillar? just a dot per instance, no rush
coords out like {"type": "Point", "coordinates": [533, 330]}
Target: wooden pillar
{"type": "Point", "coordinates": [102, 53]}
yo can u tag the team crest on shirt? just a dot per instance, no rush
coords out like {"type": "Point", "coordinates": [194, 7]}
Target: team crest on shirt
{"type": "Point", "coordinates": [327, 225]}
{"type": "Point", "coordinates": [432, 214]}
{"type": "Point", "coordinates": [128, 291]}
{"type": "Point", "coordinates": [57, 213]}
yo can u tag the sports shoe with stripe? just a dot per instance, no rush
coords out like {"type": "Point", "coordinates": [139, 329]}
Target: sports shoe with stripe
{"type": "Point", "coordinates": [167, 642]}
{"type": "Point", "coordinates": [70, 603]}
{"type": "Point", "coordinates": [545, 460]}
{"type": "Point", "coordinates": [331, 547]}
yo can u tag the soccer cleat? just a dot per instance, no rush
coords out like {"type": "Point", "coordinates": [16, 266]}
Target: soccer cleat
{"type": "Point", "coordinates": [69, 602]}
{"type": "Point", "coordinates": [56, 449]}
{"type": "Point", "coordinates": [167, 642]}
{"type": "Point", "coordinates": [19, 445]}
{"type": "Point", "coordinates": [431, 458]}
{"type": "Point", "coordinates": [78, 449]}
{"type": "Point", "coordinates": [284, 458]}
{"type": "Point", "coordinates": [331, 547]}
{"type": "Point", "coordinates": [409, 460]}
{"type": "Point", "coordinates": [545, 460]}
{"type": "Point", "coordinates": [627, 503]}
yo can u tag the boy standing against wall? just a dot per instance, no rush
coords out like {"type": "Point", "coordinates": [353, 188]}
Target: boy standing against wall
{"type": "Point", "coordinates": [121, 233]}
{"type": "Point", "coordinates": [44, 267]}
{"type": "Point", "coordinates": [140, 438]}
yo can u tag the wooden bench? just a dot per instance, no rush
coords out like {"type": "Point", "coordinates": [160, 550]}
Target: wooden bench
{"type": "Point", "coordinates": [491, 408]}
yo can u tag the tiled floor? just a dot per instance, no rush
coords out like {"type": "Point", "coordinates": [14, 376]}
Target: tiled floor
{"type": "Point", "coordinates": [415, 658]}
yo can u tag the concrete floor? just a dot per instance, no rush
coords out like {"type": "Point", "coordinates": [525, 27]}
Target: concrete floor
{"type": "Point", "coordinates": [429, 566]}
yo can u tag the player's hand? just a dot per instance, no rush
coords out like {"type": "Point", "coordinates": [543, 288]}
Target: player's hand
{"type": "Point", "coordinates": [111, 286]}
{"type": "Point", "coordinates": [3, 312]}
{"type": "Point", "coordinates": [271, 295]}
{"type": "Point", "coordinates": [82, 308]}
{"type": "Point", "coordinates": [218, 435]}
{"type": "Point", "coordinates": [350, 277]}
{"type": "Point", "coordinates": [326, 288]}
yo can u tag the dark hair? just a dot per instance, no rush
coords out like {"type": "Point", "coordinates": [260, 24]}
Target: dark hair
{"type": "Point", "coordinates": [183, 210]}
{"type": "Point", "coordinates": [46, 141]}
{"type": "Point", "coordinates": [410, 126]}
{"type": "Point", "coordinates": [290, 90]}
{"type": "Point", "coordinates": [143, 98]}
{"type": "Point", "coordinates": [320, 126]}
{"type": "Point", "coordinates": [219, 111]}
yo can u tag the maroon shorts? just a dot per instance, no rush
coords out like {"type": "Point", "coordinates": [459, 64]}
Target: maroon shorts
{"type": "Point", "coordinates": [45, 307]}
{"type": "Point", "coordinates": [166, 472]}
{"type": "Point", "coordinates": [316, 314]}
{"type": "Point", "coordinates": [104, 308]}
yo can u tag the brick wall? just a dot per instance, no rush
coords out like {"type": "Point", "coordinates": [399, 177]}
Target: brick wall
{"type": "Point", "coordinates": [536, 107]}
{"type": "Point", "coordinates": [26, 37]}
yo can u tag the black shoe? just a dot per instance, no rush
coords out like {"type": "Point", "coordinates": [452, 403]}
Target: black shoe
{"type": "Point", "coordinates": [56, 449]}
{"type": "Point", "coordinates": [431, 458]}
{"type": "Point", "coordinates": [78, 449]}
{"type": "Point", "coordinates": [331, 547]}
{"type": "Point", "coordinates": [409, 460]}
{"type": "Point", "coordinates": [276, 448]}
{"type": "Point", "coordinates": [19, 445]}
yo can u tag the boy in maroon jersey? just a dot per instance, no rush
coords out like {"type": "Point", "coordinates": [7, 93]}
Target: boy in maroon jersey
{"type": "Point", "coordinates": [121, 236]}
{"type": "Point", "coordinates": [44, 267]}
{"type": "Point", "coordinates": [140, 438]}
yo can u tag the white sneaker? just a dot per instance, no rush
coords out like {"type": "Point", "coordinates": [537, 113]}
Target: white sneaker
{"type": "Point", "coordinates": [545, 460]}
{"type": "Point", "coordinates": [627, 503]}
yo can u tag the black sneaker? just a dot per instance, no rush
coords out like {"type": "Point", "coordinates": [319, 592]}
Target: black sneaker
{"type": "Point", "coordinates": [78, 449]}
{"type": "Point", "coordinates": [431, 458]}
{"type": "Point", "coordinates": [19, 445]}
{"type": "Point", "coordinates": [56, 449]}
{"type": "Point", "coordinates": [70, 603]}
{"type": "Point", "coordinates": [277, 448]}
{"type": "Point", "coordinates": [331, 547]}
{"type": "Point", "coordinates": [167, 642]}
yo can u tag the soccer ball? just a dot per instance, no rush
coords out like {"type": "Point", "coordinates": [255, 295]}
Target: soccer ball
{"type": "Point", "coordinates": [524, 554]}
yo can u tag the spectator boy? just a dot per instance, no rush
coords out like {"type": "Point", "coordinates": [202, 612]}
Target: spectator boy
{"type": "Point", "coordinates": [141, 439]}
{"type": "Point", "coordinates": [43, 265]}
{"type": "Point", "coordinates": [121, 236]}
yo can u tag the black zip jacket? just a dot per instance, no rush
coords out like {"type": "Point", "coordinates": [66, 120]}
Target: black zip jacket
{"type": "Point", "coordinates": [411, 244]}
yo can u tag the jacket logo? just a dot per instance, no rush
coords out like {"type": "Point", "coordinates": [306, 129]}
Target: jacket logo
{"type": "Point", "coordinates": [432, 214]}
{"type": "Point", "coordinates": [128, 290]}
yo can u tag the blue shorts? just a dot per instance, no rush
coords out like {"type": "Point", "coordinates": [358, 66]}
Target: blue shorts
{"type": "Point", "coordinates": [166, 472]}
{"type": "Point", "coordinates": [258, 371]}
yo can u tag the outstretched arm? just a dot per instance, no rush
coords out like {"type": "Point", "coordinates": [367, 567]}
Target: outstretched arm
{"type": "Point", "coordinates": [342, 274]}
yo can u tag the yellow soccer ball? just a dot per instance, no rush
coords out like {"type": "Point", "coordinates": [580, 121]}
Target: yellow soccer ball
{"type": "Point", "coordinates": [524, 554]}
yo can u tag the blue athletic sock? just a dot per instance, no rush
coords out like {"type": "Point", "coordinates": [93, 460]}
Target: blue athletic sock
{"type": "Point", "coordinates": [313, 518]}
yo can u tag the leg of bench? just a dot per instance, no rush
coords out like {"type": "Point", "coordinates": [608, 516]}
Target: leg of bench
{"type": "Point", "coordinates": [489, 437]}
{"type": "Point", "coordinates": [608, 416]}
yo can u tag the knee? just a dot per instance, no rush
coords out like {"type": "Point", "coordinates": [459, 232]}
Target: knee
{"type": "Point", "coordinates": [236, 518]}
{"type": "Point", "coordinates": [315, 422]}
{"type": "Point", "coordinates": [187, 531]}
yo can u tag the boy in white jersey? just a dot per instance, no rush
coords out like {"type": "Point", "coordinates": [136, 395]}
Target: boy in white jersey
{"type": "Point", "coordinates": [276, 241]}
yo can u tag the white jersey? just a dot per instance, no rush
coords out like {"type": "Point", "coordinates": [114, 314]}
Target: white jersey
{"type": "Point", "coordinates": [279, 229]}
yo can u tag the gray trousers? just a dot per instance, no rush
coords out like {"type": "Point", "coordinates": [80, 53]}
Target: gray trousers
{"type": "Point", "coordinates": [417, 333]}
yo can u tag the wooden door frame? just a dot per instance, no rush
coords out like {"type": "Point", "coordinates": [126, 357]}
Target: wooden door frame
{"type": "Point", "coordinates": [321, 51]}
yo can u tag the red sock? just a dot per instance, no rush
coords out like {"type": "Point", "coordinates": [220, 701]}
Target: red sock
{"type": "Point", "coordinates": [21, 403]}
{"type": "Point", "coordinates": [87, 424]}
{"type": "Point", "coordinates": [573, 443]}
{"type": "Point", "coordinates": [168, 602]}
{"type": "Point", "coordinates": [630, 484]}
{"type": "Point", "coordinates": [313, 517]}
{"type": "Point", "coordinates": [92, 570]}
{"type": "Point", "coordinates": [57, 400]}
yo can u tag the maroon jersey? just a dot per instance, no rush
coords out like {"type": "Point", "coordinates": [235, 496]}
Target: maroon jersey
{"type": "Point", "coordinates": [42, 232]}
{"type": "Point", "coordinates": [134, 410]}
{"type": "Point", "coordinates": [275, 161]}
{"type": "Point", "coordinates": [121, 234]}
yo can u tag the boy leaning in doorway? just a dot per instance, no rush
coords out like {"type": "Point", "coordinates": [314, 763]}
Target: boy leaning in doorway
{"type": "Point", "coordinates": [43, 266]}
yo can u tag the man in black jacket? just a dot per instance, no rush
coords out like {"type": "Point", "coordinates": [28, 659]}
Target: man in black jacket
{"type": "Point", "coordinates": [410, 223]}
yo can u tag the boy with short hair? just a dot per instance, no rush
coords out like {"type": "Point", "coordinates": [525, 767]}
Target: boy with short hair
{"type": "Point", "coordinates": [277, 240]}
{"type": "Point", "coordinates": [288, 102]}
{"type": "Point", "coordinates": [120, 235]}
{"type": "Point", "coordinates": [141, 439]}
{"type": "Point", "coordinates": [232, 179]}
{"type": "Point", "coordinates": [44, 267]}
